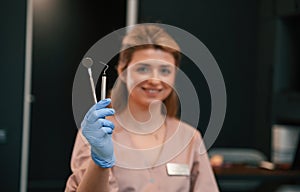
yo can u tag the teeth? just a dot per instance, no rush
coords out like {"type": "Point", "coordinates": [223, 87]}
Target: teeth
{"type": "Point", "coordinates": [152, 90]}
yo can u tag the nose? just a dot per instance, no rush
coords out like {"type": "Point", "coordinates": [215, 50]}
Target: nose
{"type": "Point", "coordinates": [154, 79]}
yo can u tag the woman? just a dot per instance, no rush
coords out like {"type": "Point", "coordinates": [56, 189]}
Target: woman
{"type": "Point", "coordinates": [141, 145]}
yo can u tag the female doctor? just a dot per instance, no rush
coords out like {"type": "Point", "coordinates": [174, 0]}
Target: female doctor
{"type": "Point", "coordinates": [139, 144]}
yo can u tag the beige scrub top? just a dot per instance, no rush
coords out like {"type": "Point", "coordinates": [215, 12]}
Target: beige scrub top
{"type": "Point", "coordinates": [183, 150]}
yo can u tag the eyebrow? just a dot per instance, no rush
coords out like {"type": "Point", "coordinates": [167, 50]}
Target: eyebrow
{"type": "Point", "coordinates": [163, 65]}
{"type": "Point", "coordinates": [144, 64]}
{"type": "Point", "coordinates": [167, 65]}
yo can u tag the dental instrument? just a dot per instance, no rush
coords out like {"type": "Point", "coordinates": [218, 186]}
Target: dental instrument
{"type": "Point", "coordinates": [88, 62]}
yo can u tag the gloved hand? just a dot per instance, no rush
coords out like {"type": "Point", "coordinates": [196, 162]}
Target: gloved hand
{"type": "Point", "coordinates": [98, 131]}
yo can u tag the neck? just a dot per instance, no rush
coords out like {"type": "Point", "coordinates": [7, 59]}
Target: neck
{"type": "Point", "coordinates": [142, 119]}
{"type": "Point", "coordinates": [144, 113]}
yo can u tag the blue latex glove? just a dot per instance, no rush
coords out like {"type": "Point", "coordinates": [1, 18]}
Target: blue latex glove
{"type": "Point", "coordinates": [98, 131]}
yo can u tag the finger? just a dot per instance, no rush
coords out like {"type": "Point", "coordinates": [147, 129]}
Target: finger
{"type": "Point", "coordinates": [101, 113]}
{"type": "Point", "coordinates": [105, 123]}
{"type": "Point", "coordinates": [101, 104]}
{"type": "Point", "coordinates": [107, 130]}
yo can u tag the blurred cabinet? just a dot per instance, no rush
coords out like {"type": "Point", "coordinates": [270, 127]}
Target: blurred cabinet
{"type": "Point", "coordinates": [286, 70]}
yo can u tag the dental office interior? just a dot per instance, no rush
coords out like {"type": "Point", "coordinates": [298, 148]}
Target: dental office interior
{"type": "Point", "coordinates": [256, 44]}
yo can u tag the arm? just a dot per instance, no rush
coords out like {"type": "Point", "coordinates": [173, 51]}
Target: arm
{"type": "Point", "coordinates": [85, 171]}
{"type": "Point", "coordinates": [203, 178]}
{"type": "Point", "coordinates": [95, 179]}
{"type": "Point", "coordinates": [93, 154]}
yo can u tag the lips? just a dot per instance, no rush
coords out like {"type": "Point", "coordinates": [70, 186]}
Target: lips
{"type": "Point", "coordinates": [151, 91]}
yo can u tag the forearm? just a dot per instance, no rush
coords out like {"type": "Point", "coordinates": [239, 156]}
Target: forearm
{"type": "Point", "coordinates": [95, 179]}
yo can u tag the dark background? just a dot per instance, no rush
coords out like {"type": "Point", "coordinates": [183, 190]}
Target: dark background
{"type": "Point", "coordinates": [256, 44]}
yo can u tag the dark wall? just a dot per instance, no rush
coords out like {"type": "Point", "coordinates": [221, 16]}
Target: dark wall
{"type": "Point", "coordinates": [256, 45]}
{"type": "Point", "coordinates": [229, 29]}
{"type": "Point", "coordinates": [63, 32]}
{"type": "Point", "coordinates": [12, 38]}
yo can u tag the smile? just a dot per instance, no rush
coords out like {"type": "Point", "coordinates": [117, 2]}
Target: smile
{"type": "Point", "coordinates": [152, 91]}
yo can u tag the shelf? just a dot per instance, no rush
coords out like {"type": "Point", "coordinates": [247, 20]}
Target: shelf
{"type": "Point", "coordinates": [242, 172]}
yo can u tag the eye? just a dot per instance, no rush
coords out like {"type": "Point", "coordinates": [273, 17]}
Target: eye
{"type": "Point", "coordinates": [165, 71]}
{"type": "Point", "coordinates": [142, 69]}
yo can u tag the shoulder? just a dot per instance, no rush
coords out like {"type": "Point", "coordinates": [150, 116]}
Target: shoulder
{"type": "Point", "coordinates": [174, 122]}
{"type": "Point", "coordinates": [184, 128]}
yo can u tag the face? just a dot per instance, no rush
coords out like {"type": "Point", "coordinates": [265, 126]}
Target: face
{"type": "Point", "coordinates": [150, 76]}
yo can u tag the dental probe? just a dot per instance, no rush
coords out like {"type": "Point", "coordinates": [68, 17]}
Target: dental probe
{"type": "Point", "coordinates": [88, 62]}
{"type": "Point", "coordinates": [103, 82]}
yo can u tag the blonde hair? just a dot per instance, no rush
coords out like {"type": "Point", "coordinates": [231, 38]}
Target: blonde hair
{"type": "Point", "coordinates": [145, 36]}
